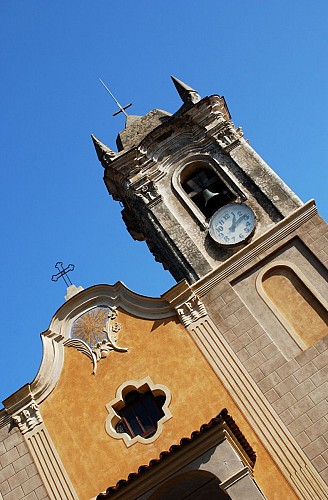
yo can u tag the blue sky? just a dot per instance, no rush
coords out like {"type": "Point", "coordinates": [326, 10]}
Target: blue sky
{"type": "Point", "coordinates": [269, 60]}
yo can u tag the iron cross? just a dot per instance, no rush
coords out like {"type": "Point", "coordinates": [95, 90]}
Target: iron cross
{"type": "Point", "coordinates": [63, 273]}
{"type": "Point", "coordinates": [122, 108]}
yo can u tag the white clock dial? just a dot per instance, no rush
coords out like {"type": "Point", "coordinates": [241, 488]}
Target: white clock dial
{"type": "Point", "coordinates": [232, 224]}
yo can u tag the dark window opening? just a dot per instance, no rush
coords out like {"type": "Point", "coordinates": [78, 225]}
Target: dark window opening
{"type": "Point", "coordinates": [207, 190]}
{"type": "Point", "coordinates": [140, 414]}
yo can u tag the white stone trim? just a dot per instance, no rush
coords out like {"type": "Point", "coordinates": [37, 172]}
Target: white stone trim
{"type": "Point", "coordinates": [51, 468]}
{"type": "Point", "coordinates": [112, 296]}
{"type": "Point", "coordinates": [31, 425]}
{"type": "Point", "coordinates": [293, 463]}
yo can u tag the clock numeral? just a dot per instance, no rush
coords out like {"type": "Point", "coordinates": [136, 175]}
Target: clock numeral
{"type": "Point", "coordinates": [226, 216]}
{"type": "Point", "coordinates": [246, 230]}
{"type": "Point", "coordinates": [233, 239]}
{"type": "Point", "coordinates": [239, 213]}
{"type": "Point", "coordinates": [220, 235]}
{"type": "Point", "coordinates": [226, 238]}
{"type": "Point", "coordinates": [248, 223]}
{"type": "Point", "coordinates": [219, 228]}
{"type": "Point", "coordinates": [241, 236]}
{"type": "Point", "coordinates": [221, 221]}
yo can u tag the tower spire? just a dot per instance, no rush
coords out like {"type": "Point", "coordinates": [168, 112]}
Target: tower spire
{"type": "Point", "coordinates": [187, 93]}
{"type": "Point", "coordinates": [102, 150]}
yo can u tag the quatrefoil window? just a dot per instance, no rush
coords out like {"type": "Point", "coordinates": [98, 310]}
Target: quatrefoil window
{"type": "Point", "coordinates": [138, 412]}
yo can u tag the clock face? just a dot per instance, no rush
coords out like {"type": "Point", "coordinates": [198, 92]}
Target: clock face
{"type": "Point", "coordinates": [232, 224]}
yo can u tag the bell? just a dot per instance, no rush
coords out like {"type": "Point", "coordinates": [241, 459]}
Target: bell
{"type": "Point", "coordinates": [211, 199]}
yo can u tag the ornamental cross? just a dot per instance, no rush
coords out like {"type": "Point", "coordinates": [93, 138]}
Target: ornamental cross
{"type": "Point", "coordinates": [63, 273]}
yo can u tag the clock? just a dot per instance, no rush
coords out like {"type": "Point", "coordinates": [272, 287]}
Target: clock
{"type": "Point", "coordinates": [232, 224]}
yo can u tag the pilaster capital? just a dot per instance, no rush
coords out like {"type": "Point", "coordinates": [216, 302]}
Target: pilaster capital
{"type": "Point", "coordinates": [187, 304]}
{"type": "Point", "coordinates": [28, 417]}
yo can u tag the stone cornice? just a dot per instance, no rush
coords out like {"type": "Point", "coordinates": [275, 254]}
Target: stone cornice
{"type": "Point", "coordinates": [182, 292]}
{"type": "Point", "coordinates": [114, 295]}
{"type": "Point", "coordinates": [259, 245]}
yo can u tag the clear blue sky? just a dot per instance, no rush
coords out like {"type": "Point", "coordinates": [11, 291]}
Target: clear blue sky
{"type": "Point", "coordinates": [269, 60]}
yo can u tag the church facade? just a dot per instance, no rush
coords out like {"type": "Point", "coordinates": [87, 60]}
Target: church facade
{"type": "Point", "coordinates": [218, 389]}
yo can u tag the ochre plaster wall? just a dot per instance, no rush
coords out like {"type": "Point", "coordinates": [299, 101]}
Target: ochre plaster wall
{"type": "Point", "coordinates": [75, 412]}
{"type": "Point", "coordinates": [297, 304]}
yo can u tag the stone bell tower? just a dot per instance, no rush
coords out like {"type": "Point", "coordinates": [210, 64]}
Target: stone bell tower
{"type": "Point", "coordinates": [173, 172]}
{"type": "Point", "coordinates": [251, 261]}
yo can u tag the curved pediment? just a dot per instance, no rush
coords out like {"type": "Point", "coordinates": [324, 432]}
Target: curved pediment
{"type": "Point", "coordinates": [88, 322]}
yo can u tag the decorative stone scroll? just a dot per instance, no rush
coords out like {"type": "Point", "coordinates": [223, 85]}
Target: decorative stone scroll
{"type": "Point", "coordinates": [148, 192]}
{"type": "Point", "coordinates": [191, 311]}
{"type": "Point", "coordinates": [95, 334]}
{"type": "Point", "coordinates": [227, 136]}
{"type": "Point", "coordinates": [28, 418]}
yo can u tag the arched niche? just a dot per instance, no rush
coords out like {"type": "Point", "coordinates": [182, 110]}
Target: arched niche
{"type": "Point", "coordinates": [294, 301]}
{"type": "Point", "coordinates": [202, 485]}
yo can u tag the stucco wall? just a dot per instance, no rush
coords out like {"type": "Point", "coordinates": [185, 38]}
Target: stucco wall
{"type": "Point", "coordinates": [75, 412]}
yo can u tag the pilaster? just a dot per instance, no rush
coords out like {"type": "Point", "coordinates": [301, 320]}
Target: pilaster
{"type": "Point", "coordinates": [276, 438]}
{"type": "Point", "coordinates": [25, 412]}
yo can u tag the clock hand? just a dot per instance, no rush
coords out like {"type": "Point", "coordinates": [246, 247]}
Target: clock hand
{"type": "Point", "coordinates": [239, 220]}
{"type": "Point", "coordinates": [235, 222]}
{"type": "Point", "coordinates": [233, 225]}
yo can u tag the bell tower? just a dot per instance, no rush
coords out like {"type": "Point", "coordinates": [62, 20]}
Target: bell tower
{"type": "Point", "coordinates": [192, 187]}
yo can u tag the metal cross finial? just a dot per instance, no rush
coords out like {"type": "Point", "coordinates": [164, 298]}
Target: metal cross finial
{"type": "Point", "coordinates": [63, 273]}
{"type": "Point", "coordinates": [122, 108]}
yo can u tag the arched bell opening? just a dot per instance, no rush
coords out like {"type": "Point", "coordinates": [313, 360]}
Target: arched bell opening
{"type": "Point", "coordinates": [205, 188]}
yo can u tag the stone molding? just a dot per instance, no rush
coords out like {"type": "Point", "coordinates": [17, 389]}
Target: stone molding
{"type": "Point", "coordinates": [28, 418]}
{"type": "Point", "coordinates": [200, 157]}
{"type": "Point", "coordinates": [23, 409]}
{"type": "Point", "coordinates": [22, 406]}
{"type": "Point", "coordinates": [291, 460]}
{"type": "Point", "coordinates": [191, 310]}
{"type": "Point", "coordinates": [49, 464]}
{"type": "Point", "coordinates": [226, 135]}
{"type": "Point", "coordinates": [112, 296]}
{"type": "Point", "coordinates": [148, 192]}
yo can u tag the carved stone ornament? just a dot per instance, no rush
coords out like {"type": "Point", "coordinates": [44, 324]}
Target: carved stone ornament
{"type": "Point", "coordinates": [28, 418]}
{"type": "Point", "coordinates": [228, 137]}
{"type": "Point", "coordinates": [191, 311]}
{"type": "Point", "coordinates": [148, 192]}
{"type": "Point", "coordinates": [95, 334]}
